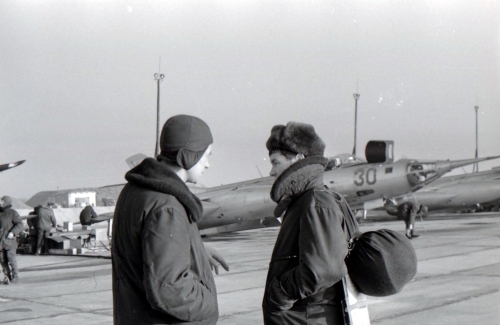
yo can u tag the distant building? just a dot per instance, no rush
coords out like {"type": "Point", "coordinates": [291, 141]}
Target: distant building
{"type": "Point", "coordinates": [77, 199]}
{"type": "Point", "coordinates": [65, 198]}
{"type": "Point", "coordinates": [108, 195]}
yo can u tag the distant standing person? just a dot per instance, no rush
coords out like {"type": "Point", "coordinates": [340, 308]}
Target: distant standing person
{"type": "Point", "coordinates": [32, 224]}
{"type": "Point", "coordinates": [86, 216]}
{"type": "Point", "coordinates": [33, 221]}
{"type": "Point", "coordinates": [11, 225]}
{"type": "Point", "coordinates": [408, 212]}
{"type": "Point", "coordinates": [46, 220]}
{"type": "Point", "coordinates": [161, 268]}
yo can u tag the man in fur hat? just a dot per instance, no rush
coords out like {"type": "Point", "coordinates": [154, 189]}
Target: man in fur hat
{"type": "Point", "coordinates": [11, 225]}
{"type": "Point", "coordinates": [307, 264]}
{"type": "Point", "coordinates": [161, 269]}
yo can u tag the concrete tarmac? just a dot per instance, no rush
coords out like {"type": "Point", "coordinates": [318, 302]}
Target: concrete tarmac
{"type": "Point", "coordinates": [458, 279]}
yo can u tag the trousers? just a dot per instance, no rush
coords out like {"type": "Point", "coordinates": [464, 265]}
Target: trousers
{"type": "Point", "coordinates": [42, 234]}
{"type": "Point", "coordinates": [9, 262]}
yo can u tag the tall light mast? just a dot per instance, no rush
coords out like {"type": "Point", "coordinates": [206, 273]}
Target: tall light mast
{"type": "Point", "coordinates": [356, 97]}
{"type": "Point", "coordinates": [158, 77]}
{"type": "Point", "coordinates": [476, 165]}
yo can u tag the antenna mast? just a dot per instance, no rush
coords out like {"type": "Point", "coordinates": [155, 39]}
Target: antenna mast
{"type": "Point", "coordinates": [159, 78]}
{"type": "Point", "coordinates": [475, 168]}
{"type": "Point", "coordinates": [356, 97]}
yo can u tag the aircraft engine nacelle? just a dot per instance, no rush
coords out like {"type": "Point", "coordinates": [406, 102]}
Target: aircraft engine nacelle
{"type": "Point", "coordinates": [379, 151]}
{"type": "Point", "coordinates": [392, 210]}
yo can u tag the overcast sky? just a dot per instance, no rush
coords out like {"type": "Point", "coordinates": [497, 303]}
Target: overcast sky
{"type": "Point", "coordinates": [78, 96]}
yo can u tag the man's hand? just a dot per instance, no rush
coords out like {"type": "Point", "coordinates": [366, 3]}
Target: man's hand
{"type": "Point", "coordinates": [277, 299]}
{"type": "Point", "coordinates": [216, 260]}
{"type": "Point", "coordinates": [10, 235]}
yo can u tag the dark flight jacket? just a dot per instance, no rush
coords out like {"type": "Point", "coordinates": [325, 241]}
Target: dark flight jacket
{"type": "Point", "coordinates": [308, 259]}
{"type": "Point", "coordinates": [86, 216]}
{"type": "Point", "coordinates": [10, 221]}
{"type": "Point", "coordinates": [161, 273]}
{"type": "Point", "coordinates": [46, 218]}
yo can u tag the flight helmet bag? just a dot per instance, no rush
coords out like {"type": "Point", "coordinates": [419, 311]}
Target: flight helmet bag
{"type": "Point", "coordinates": [380, 263]}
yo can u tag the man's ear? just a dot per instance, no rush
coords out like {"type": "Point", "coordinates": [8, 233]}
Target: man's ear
{"type": "Point", "coordinates": [299, 156]}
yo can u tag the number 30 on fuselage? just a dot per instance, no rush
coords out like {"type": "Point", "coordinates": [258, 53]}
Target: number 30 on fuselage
{"type": "Point", "coordinates": [365, 175]}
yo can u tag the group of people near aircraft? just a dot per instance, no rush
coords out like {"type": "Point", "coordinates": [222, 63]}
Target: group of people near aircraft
{"type": "Point", "coordinates": [40, 223]}
{"type": "Point", "coordinates": [11, 226]}
{"type": "Point", "coordinates": [161, 269]}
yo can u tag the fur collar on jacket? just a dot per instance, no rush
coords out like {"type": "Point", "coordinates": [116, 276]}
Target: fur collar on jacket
{"type": "Point", "coordinates": [156, 176]}
{"type": "Point", "coordinates": [295, 180]}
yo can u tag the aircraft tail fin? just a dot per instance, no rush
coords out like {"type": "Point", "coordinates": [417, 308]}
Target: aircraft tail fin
{"type": "Point", "coordinates": [135, 160]}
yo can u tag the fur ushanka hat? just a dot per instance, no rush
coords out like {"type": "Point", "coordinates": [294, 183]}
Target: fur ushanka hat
{"type": "Point", "coordinates": [296, 138]}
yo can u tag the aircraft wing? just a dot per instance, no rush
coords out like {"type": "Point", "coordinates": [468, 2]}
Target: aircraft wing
{"type": "Point", "coordinates": [30, 216]}
{"type": "Point", "coordinates": [220, 190]}
{"type": "Point", "coordinates": [103, 217]}
{"type": "Point", "coordinates": [11, 165]}
{"type": "Point", "coordinates": [100, 218]}
{"type": "Point", "coordinates": [430, 197]}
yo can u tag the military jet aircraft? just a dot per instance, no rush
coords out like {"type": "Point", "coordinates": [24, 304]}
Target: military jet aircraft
{"type": "Point", "coordinates": [457, 193]}
{"type": "Point", "coordinates": [370, 185]}
{"type": "Point", "coordinates": [365, 185]}
{"type": "Point", "coordinates": [11, 165]}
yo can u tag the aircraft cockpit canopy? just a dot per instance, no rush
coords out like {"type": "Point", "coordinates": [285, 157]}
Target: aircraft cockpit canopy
{"type": "Point", "coordinates": [333, 163]}
{"type": "Point", "coordinates": [421, 173]}
{"type": "Point", "coordinates": [343, 161]}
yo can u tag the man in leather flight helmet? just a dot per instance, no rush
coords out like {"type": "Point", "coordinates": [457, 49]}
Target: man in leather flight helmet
{"type": "Point", "coordinates": [162, 272]}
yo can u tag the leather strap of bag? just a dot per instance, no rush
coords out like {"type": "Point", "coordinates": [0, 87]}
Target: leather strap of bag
{"type": "Point", "coordinates": [351, 228]}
